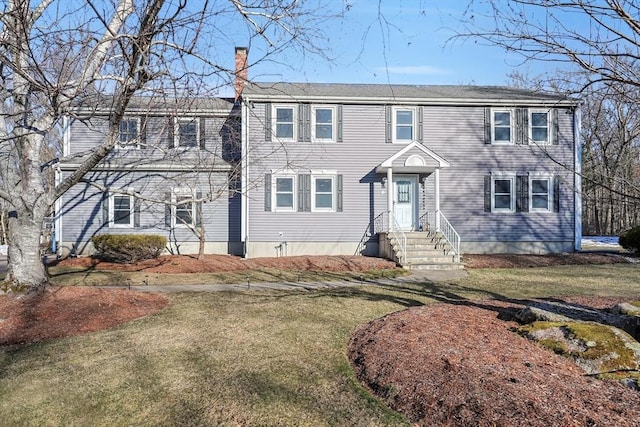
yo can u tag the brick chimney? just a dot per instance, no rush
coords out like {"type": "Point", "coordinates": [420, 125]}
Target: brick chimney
{"type": "Point", "coordinates": [241, 70]}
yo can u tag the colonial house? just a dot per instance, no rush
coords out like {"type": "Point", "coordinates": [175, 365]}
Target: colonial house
{"type": "Point", "coordinates": [415, 173]}
{"type": "Point", "coordinates": [419, 174]}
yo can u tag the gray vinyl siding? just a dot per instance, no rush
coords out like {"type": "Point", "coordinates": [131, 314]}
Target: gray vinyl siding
{"type": "Point", "coordinates": [452, 132]}
{"type": "Point", "coordinates": [87, 135]}
{"type": "Point", "coordinates": [82, 209]}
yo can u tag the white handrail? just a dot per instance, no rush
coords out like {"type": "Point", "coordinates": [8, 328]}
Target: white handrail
{"type": "Point", "coordinates": [451, 235]}
{"type": "Point", "coordinates": [401, 238]}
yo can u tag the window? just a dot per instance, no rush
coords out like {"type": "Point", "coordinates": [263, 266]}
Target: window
{"type": "Point", "coordinates": [187, 132]}
{"type": "Point", "coordinates": [285, 193]}
{"type": "Point", "coordinates": [324, 124]}
{"type": "Point", "coordinates": [502, 126]}
{"type": "Point", "coordinates": [184, 210]}
{"type": "Point", "coordinates": [540, 194]}
{"type": "Point", "coordinates": [539, 126]}
{"type": "Point", "coordinates": [121, 210]}
{"type": "Point", "coordinates": [502, 193]}
{"type": "Point", "coordinates": [323, 195]}
{"type": "Point", "coordinates": [284, 120]}
{"type": "Point", "coordinates": [128, 135]}
{"type": "Point", "coordinates": [404, 124]}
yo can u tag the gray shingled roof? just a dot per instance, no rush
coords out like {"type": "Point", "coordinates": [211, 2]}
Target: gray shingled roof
{"type": "Point", "coordinates": [146, 104]}
{"type": "Point", "coordinates": [260, 90]}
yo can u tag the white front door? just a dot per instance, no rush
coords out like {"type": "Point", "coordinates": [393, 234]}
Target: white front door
{"type": "Point", "coordinates": [405, 192]}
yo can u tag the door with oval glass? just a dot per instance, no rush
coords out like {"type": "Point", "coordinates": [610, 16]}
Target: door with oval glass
{"type": "Point", "coordinates": [405, 197]}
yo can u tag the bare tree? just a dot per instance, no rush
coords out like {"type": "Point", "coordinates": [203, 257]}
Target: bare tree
{"type": "Point", "coordinates": [600, 37]}
{"type": "Point", "coordinates": [56, 56]}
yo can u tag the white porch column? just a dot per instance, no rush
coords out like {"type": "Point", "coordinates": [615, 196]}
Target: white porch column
{"type": "Point", "coordinates": [390, 191]}
{"type": "Point", "coordinates": [437, 197]}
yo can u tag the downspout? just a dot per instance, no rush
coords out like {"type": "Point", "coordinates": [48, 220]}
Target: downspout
{"type": "Point", "coordinates": [56, 239]}
{"type": "Point", "coordinates": [577, 126]}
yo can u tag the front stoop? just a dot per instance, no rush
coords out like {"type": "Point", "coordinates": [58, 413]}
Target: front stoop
{"type": "Point", "coordinates": [427, 251]}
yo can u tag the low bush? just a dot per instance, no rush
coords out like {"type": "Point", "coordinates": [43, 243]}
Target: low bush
{"type": "Point", "coordinates": [128, 248]}
{"type": "Point", "coordinates": [630, 239]}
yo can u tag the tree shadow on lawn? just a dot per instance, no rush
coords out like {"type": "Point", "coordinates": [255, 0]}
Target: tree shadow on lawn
{"type": "Point", "coordinates": [412, 293]}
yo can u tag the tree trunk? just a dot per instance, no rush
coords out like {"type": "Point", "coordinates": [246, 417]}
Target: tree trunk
{"type": "Point", "coordinates": [26, 268]}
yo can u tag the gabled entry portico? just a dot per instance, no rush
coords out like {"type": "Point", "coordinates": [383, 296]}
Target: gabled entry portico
{"type": "Point", "coordinates": [403, 171]}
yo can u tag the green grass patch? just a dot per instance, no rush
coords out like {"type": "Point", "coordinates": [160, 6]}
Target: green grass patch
{"type": "Point", "coordinates": [247, 358]}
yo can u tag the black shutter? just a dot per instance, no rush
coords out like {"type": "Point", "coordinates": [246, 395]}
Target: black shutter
{"type": "Point", "coordinates": [339, 123]}
{"type": "Point", "coordinates": [143, 131]}
{"type": "Point", "coordinates": [339, 193]}
{"type": "Point", "coordinates": [307, 193]}
{"type": "Point", "coordinates": [487, 127]}
{"type": "Point", "coordinates": [554, 132]}
{"type": "Point", "coordinates": [556, 193]}
{"type": "Point", "coordinates": [136, 211]}
{"type": "Point", "coordinates": [388, 131]}
{"type": "Point", "coordinates": [203, 133]}
{"type": "Point", "coordinates": [522, 193]}
{"type": "Point", "coordinates": [306, 122]}
{"type": "Point", "coordinates": [304, 193]}
{"type": "Point", "coordinates": [267, 192]}
{"type": "Point", "coordinates": [525, 126]}
{"type": "Point", "coordinates": [167, 210]}
{"type": "Point", "coordinates": [170, 133]}
{"type": "Point", "coordinates": [487, 193]}
{"type": "Point", "coordinates": [105, 209]}
{"type": "Point", "coordinates": [198, 205]}
{"type": "Point", "coordinates": [419, 136]}
{"type": "Point", "coordinates": [267, 121]}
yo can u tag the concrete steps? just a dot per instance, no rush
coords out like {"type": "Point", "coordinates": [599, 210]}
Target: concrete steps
{"type": "Point", "coordinates": [427, 251]}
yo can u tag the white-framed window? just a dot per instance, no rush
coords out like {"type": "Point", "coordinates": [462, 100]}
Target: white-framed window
{"type": "Point", "coordinates": [404, 124]}
{"type": "Point", "coordinates": [186, 132]}
{"type": "Point", "coordinates": [503, 195]}
{"type": "Point", "coordinates": [323, 198]}
{"type": "Point", "coordinates": [539, 129]}
{"type": "Point", "coordinates": [502, 126]}
{"type": "Point", "coordinates": [284, 120]}
{"type": "Point", "coordinates": [324, 123]}
{"type": "Point", "coordinates": [540, 192]}
{"type": "Point", "coordinates": [183, 209]}
{"type": "Point", "coordinates": [284, 196]}
{"type": "Point", "coordinates": [129, 132]}
{"type": "Point", "coordinates": [121, 210]}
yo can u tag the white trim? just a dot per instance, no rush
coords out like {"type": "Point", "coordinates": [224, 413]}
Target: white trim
{"type": "Point", "coordinates": [294, 121]}
{"type": "Point", "coordinates": [541, 176]}
{"type": "Point", "coordinates": [274, 192]}
{"type": "Point", "coordinates": [133, 144]}
{"type": "Point", "coordinates": [66, 136]}
{"type": "Point", "coordinates": [333, 179]}
{"type": "Point", "coordinates": [512, 117]}
{"type": "Point", "coordinates": [504, 176]}
{"type": "Point", "coordinates": [112, 205]}
{"type": "Point", "coordinates": [186, 193]}
{"type": "Point", "coordinates": [334, 121]}
{"type": "Point", "coordinates": [176, 131]}
{"type": "Point", "coordinates": [442, 163]}
{"type": "Point", "coordinates": [533, 111]}
{"type": "Point", "coordinates": [577, 207]}
{"type": "Point", "coordinates": [394, 124]}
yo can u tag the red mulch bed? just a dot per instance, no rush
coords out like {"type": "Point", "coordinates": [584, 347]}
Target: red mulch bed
{"type": "Point", "coordinates": [218, 263]}
{"type": "Point", "coordinates": [520, 261]}
{"type": "Point", "coordinates": [459, 365]}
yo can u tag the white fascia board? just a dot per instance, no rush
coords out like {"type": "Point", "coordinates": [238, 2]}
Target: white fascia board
{"type": "Point", "coordinates": [541, 103]}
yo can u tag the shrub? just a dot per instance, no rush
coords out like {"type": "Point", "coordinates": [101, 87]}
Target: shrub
{"type": "Point", "coordinates": [630, 239]}
{"type": "Point", "coordinates": [128, 248]}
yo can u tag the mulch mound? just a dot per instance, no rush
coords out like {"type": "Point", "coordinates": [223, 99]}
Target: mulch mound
{"type": "Point", "coordinates": [68, 311]}
{"type": "Point", "coordinates": [522, 261]}
{"type": "Point", "coordinates": [460, 365]}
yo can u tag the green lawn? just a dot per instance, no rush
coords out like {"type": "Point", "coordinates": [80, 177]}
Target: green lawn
{"type": "Point", "coordinates": [247, 358]}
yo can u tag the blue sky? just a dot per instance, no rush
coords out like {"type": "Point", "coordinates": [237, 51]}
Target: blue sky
{"type": "Point", "coordinates": [413, 47]}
